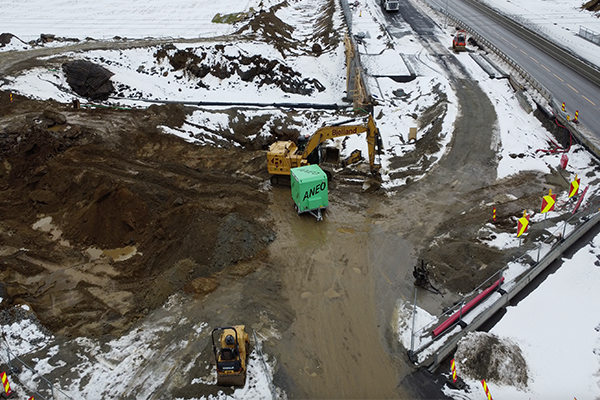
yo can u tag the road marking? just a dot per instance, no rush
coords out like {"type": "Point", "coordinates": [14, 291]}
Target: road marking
{"type": "Point", "coordinates": [536, 61]}
{"type": "Point", "coordinates": [503, 38]}
{"type": "Point", "coordinates": [558, 77]}
{"type": "Point", "coordinates": [512, 44]}
{"type": "Point", "coordinates": [575, 90]}
{"type": "Point", "coordinates": [588, 100]}
{"type": "Point", "coordinates": [545, 67]}
{"type": "Point", "coordinates": [523, 52]}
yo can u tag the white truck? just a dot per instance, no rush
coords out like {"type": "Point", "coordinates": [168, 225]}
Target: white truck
{"type": "Point", "coordinates": [390, 5]}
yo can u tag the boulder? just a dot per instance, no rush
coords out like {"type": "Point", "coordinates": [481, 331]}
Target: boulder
{"type": "Point", "coordinates": [5, 39]}
{"type": "Point", "coordinates": [54, 115]}
{"type": "Point", "coordinates": [89, 80]}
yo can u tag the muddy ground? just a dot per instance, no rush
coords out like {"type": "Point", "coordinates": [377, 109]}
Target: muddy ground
{"type": "Point", "coordinates": [178, 218]}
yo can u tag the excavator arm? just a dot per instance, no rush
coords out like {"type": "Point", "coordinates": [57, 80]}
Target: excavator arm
{"type": "Point", "coordinates": [331, 132]}
{"type": "Point", "coordinates": [285, 155]}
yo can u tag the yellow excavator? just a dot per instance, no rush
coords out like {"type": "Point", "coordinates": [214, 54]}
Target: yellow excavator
{"type": "Point", "coordinates": [285, 155]}
{"type": "Point", "coordinates": [231, 347]}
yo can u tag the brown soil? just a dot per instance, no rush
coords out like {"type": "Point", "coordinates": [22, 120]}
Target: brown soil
{"type": "Point", "coordinates": [109, 179]}
{"type": "Point", "coordinates": [592, 5]}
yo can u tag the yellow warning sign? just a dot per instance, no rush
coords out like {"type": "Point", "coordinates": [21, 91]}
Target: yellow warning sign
{"type": "Point", "coordinates": [523, 224]}
{"type": "Point", "coordinates": [548, 202]}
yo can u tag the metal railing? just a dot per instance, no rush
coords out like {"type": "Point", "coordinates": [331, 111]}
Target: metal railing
{"type": "Point", "coordinates": [552, 246]}
{"type": "Point", "coordinates": [545, 93]}
{"type": "Point", "coordinates": [38, 385]}
{"type": "Point", "coordinates": [589, 35]}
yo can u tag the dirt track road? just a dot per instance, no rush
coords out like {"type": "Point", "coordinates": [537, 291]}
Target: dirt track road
{"type": "Point", "coordinates": [333, 349]}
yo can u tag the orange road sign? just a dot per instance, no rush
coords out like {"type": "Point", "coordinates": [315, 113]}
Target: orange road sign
{"type": "Point", "coordinates": [574, 187]}
{"type": "Point", "coordinates": [523, 224]}
{"type": "Point", "coordinates": [486, 389]}
{"type": "Point", "coordinates": [453, 365]}
{"type": "Point", "coordinates": [548, 202]}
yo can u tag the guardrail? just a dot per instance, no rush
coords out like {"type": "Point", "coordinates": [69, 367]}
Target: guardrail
{"type": "Point", "coordinates": [14, 363]}
{"type": "Point", "coordinates": [589, 35]}
{"type": "Point", "coordinates": [545, 93]}
{"type": "Point", "coordinates": [585, 138]}
{"type": "Point", "coordinates": [555, 244]}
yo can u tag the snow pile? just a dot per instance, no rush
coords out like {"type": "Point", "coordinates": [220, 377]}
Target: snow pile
{"type": "Point", "coordinates": [482, 355]}
{"type": "Point", "coordinates": [404, 321]}
{"type": "Point", "coordinates": [257, 385]}
{"type": "Point", "coordinates": [22, 331]}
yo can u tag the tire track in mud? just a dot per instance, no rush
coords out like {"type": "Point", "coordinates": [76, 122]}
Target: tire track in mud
{"type": "Point", "coordinates": [333, 347]}
{"type": "Point", "coordinates": [344, 275]}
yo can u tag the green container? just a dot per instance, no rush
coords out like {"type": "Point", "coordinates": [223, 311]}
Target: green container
{"type": "Point", "coordinates": [309, 189]}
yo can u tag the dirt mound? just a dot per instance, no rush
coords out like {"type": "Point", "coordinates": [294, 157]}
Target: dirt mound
{"type": "Point", "coordinates": [239, 239]}
{"type": "Point", "coordinates": [111, 181]}
{"type": "Point", "coordinates": [221, 61]}
{"type": "Point", "coordinates": [112, 219]}
{"type": "Point", "coordinates": [29, 147]}
{"type": "Point", "coordinates": [482, 355]}
{"type": "Point", "coordinates": [592, 5]}
{"type": "Point", "coordinates": [5, 39]}
{"type": "Point", "coordinates": [267, 26]}
{"type": "Point", "coordinates": [89, 80]}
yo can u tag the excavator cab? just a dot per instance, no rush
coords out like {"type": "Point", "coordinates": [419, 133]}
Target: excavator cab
{"type": "Point", "coordinates": [231, 347]}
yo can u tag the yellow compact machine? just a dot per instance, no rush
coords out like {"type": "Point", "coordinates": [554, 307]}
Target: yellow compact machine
{"type": "Point", "coordinates": [285, 155]}
{"type": "Point", "coordinates": [231, 347]}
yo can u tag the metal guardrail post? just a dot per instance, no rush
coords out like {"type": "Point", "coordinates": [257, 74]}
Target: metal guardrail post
{"type": "Point", "coordinates": [445, 350]}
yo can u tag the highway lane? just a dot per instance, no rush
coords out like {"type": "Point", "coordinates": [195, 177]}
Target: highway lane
{"type": "Point", "coordinates": [566, 85]}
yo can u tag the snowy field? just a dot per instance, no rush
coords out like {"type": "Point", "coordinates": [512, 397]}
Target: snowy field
{"type": "Point", "coordinates": [562, 348]}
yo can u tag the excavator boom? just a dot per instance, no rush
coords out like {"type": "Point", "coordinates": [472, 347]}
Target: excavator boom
{"type": "Point", "coordinates": [283, 156]}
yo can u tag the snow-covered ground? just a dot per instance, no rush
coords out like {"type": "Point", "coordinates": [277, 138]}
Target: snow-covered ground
{"type": "Point", "coordinates": [557, 20]}
{"type": "Point", "coordinates": [561, 347]}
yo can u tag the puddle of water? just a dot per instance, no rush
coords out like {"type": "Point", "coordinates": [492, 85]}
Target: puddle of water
{"type": "Point", "coordinates": [119, 254]}
{"type": "Point", "coordinates": [45, 225]}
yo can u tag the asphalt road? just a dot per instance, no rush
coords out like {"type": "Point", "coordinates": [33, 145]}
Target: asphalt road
{"type": "Point", "coordinates": [565, 84]}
